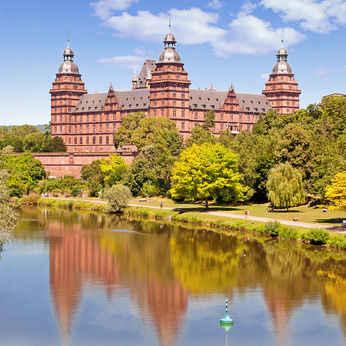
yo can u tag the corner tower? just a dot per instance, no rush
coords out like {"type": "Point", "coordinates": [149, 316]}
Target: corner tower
{"type": "Point", "coordinates": [169, 87]}
{"type": "Point", "coordinates": [282, 89]}
{"type": "Point", "coordinates": [67, 89]}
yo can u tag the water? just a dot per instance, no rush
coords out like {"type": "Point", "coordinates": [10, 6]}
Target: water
{"type": "Point", "coordinates": [83, 279]}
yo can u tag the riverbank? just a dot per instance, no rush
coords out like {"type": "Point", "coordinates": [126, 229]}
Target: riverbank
{"type": "Point", "coordinates": [209, 219]}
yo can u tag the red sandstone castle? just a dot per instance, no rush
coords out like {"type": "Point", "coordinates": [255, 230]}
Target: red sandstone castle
{"type": "Point", "coordinates": [86, 122]}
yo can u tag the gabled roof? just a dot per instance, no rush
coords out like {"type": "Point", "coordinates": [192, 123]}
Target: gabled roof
{"type": "Point", "coordinates": [147, 69]}
{"type": "Point", "coordinates": [138, 99]}
{"type": "Point", "coordinates": [90, 103]}
{"type": "Point", "coordinates": [133, 99]}
{"type": "Point", "coordinates": [254, 103]}
{"type": "Point", "coordinates": [207, 99]}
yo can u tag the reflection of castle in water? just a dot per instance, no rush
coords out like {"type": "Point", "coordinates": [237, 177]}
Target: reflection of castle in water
{"type": "Point", "coordinates": [78, 256]}
{"type": "Point", "coordinates": [160, 271]}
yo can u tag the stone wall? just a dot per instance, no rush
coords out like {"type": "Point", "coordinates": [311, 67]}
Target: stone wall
{"type": "Point", "coordinates": [60, 164]}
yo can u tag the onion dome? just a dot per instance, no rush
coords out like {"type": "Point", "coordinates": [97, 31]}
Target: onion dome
{"type": "Point", "coordinates": [282, 66]}
{"type": "Point", "coordinates": [68, 66]}
{"type": "Point", "coordinates": [169, 54]}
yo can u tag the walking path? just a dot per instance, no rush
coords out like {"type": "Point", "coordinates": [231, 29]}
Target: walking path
{"type": "Point", "coordinates": [223, 214]}
{"type": "Point", "coordinates": [244, 217]}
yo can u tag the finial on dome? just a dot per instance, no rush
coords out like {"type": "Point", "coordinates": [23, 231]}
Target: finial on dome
{"type": "Point", "coordinates": [111, 87]}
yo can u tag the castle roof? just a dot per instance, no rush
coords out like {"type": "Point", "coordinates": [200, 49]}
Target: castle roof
{"type": "Point", "coordinates": [139, 100]}
{"type": "Point", "coordinates": [146, 71]}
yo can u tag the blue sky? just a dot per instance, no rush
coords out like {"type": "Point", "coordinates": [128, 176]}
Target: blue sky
{"type": "Point", "coordinates": [220, 42]}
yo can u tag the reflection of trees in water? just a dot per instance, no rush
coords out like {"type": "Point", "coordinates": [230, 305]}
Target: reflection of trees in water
{"type": "Point", "coordinates": [206, 263]}
{"type": "Point", "coordinates": [163, 262]}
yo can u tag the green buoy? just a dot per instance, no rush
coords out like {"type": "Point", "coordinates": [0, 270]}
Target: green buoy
{"type": "Point", "coordinates": [226, 322]}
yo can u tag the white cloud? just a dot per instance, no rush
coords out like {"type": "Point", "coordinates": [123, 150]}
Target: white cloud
{"type": "Point", "coordinates": [146, 26]}
{"type": "Point", "coordinates": [246, 34]}
{"type": "Point", "coordinates": [325, 71]}
{"type": "Point", "coordinates": [132, 62]}
{"type": "Point", "coordinates": [251, 35]}
{"type": "Point", "coordinates": [215, 4]}
{"type": "Point", "coordinates": [314, 15]}
{"type": "Point", "coordinates": [265, 75]}
{"type": "Point", "coordinates": [104, 8]}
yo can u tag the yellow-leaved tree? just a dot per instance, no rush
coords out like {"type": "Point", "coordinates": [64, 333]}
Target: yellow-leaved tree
{"type": "Point", "coordinates": [207, 171]}
{"type": "Point", "coordinates": [336, 192]}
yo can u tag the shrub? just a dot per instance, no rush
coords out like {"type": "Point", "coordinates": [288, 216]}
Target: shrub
{"type": "Point", "coordinates": [337, 241]}
{"type": "Point", "coordinates": [118, 197]}
{"type": "Point", "coordinates": [316, 236]}
{"type": "Point", "coordinates": [31, 199]}
{"type": "Point", "coordinates": [288, 233]}
{"type": "Point", "coordinates": [272, 228]}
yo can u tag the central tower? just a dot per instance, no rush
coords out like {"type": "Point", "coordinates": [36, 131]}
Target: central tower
{"type": "Point", "coordinates": [281, 88]}
{"type": "Point", "coordinates": [67, 89]}
{"type": "Point", "coordinates": [169, 87]}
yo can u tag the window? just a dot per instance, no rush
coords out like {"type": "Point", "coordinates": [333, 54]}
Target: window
{"type": "Point", "coordinates": [240, 118]}
{"type": "Point", "coordinates": [249, 128]}
{"type": "Point", "coordinates": [221, 117]}
{"type": "Point", "coordinates": [221, 127]}
{"type": "Point", "coordinates": [69, 140]}
{"type": "Point", "coordinates": [196, 115]}
{"type": "Point", "coordinates": [174, 112]}
{"type": "Point", "coordinates": [75, 140]}
{"type": "Point", "coordinates": [183, 113]}
{"type": "Point", "coordinates": [248, 117]}
{"type": "Point", "coordinates": [80, 140]}
{"type": "Point", "coordinates": [107, 140]}
{"type": "Point", "coordinates": [94, 128]}
{"type": "Point", "coordinates": [183, 125]}
{"type": "Point", "coordinates": [162, 112]}
{"type": "Point", "coordinates": [100, 140]}
{"type": "Point", "coordinates": [94, 140]}
{"type": "Point", "coordinates": [87, 140]}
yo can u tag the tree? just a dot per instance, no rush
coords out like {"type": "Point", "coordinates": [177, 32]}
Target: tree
{"type": "Point", "coordinates": [114, 169]}
{"type": "Point", "coordinates": [7, 150]}
{"type": "Point", "coordinates": [200, 135]}
{"type": "Point", "coordinates": [140, 173]}
{"type": "Point", "coordinates": [24, 172]}
{"type": "Point", "coordinates": [207, 171]}
{"type": "Point", "coordinates": [209, 122]}
{"type": "Point", "coordinates": [8, 216]}
{"type": "Point", "coordinates": [57, 145]}
{"type": "Point", "coordinates": [128, 125]}
{"type": "Point", "coordinates": [285, 186]}
{"type": "Point", "coordinates": [93, 175]}
{"type": "Point", "coordinates": [336, 192]}
{"type": "Point", "coordinates": [118, 197]}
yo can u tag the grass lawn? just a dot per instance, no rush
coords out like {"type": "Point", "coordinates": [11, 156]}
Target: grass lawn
{"type": "Point", "coordinates": [303, 213]}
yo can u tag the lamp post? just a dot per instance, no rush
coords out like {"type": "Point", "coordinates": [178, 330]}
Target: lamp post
{"type": "Point", "coordinates": [226, 322]}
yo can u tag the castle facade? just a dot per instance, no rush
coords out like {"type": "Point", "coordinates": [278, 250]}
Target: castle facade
{"type": "Point", "coordinates": [86, 122]}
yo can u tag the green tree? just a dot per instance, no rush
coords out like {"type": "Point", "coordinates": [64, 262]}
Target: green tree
{"type": "Point", "coordinates": [336, 192]}
{"type": "Point", "coordinates": [113, 168]}
{"type": "Point", "coordinates": [207, 171]}
{"type": "Point", "coordinates": [93, 175]}
{"type": "Point", "coordinates": [24, 172]}
{"type": "Point", "coordinates": [8, 216]}
{"type": "Point", "coordinates": [140, 172]}
{"type": "Point", "coordinates": [200, 135]}
{"type": "Point", "coordinates": [285, 186]}
{"type": "Point", "coordinates": [125, 132]}
{"type": "Point", "coordinates": [56, 145]}
{"type": "Point", "coordinates": [118, 197]}
{"type": "Point", "coordinates": [209, 122]}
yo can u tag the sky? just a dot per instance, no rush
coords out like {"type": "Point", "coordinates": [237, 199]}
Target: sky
{"type": "Point", "coordinates": [220, 42]}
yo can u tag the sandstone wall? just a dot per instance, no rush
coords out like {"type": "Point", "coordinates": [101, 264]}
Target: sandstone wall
{"type": "Point", "coordinates": [60, 164]}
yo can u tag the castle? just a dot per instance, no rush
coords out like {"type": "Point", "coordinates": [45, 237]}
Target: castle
{"type": "Point", "coordinates": [86, 122]}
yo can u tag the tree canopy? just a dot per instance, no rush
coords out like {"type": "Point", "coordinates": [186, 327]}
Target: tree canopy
{"type": "Point", "coordinates": [336, 192]}
{"type": "Point", "coordinates": [207, 171]}
{"type": "Point", "coordinates": [285, 186]}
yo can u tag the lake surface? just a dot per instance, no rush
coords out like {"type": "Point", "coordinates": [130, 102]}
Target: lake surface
{"type": "Point", "coordinates": [71, 278]}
